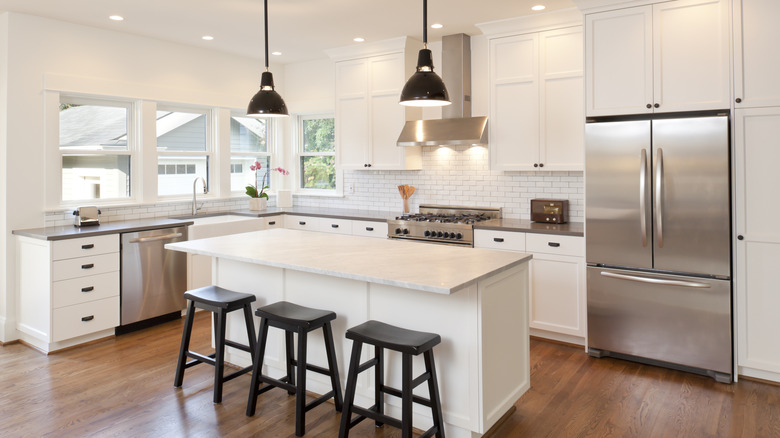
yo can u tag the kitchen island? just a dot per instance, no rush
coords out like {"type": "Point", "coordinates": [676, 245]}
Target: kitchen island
{"type": "Point", "coordinates": [477, 300]}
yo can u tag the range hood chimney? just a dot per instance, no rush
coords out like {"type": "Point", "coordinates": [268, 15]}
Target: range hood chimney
{"type": "Point", "coordinates": [456, 127]}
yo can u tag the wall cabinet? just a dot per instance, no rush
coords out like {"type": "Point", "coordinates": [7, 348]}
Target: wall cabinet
{"type": "Point", "coordinates": [68, 290]}
{"type": "Point", "coordinates": [369, 118]}
{"type": "Point", "coordinates": [536, 111]}
{"type": "Point", "coordinates": [758, 242]}
{"type": "Point", "coordinates": [756, 64]}
{"type": "Point", "coordinates": [666, 57]}
{"type": "Point", "coordinates": [558, 306]}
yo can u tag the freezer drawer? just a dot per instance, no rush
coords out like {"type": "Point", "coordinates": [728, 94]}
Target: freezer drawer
{"type": "Point", "coordinates": [669, 318]}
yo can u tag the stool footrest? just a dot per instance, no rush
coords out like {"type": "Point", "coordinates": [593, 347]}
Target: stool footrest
{"type": "Point", "coordinates": [235, 374]}
{"type": "Point", "coordinates": [200, 358]}
{"type": "Point", "coordinates": [275, 383]}
{"type": "Point", "coordinates": [367, 364]}
{"type": "Point", "coordinates": [243, 347]}
{"type": "Point", "coordinates": [430, 432]}
{"type": "Point", "coordinates": [376, 416]}
{"type": "Point", "coordinates": [416, 398]}
{"type": "Point", "coordinates": [319, 400]}
{"type": "Point", "coordinates": [313, 368]}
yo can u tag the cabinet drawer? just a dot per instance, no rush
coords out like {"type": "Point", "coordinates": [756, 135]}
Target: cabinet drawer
{"type": "Point", "coordinates": [369, 229]}
{"type": "Point", "coordinates": [84, 289]}
{"type": "Point", "coordinates": [506, 240]}
{"type": "Point", "coordinates": [84, 246]}
{"type": "Point", "coordinates": [301, 223]}
{"type": "Point", "coordinates": [338, 226]}
{"type": "Point", "coordinates": [554, 244]}
{"type": "Point", "coordinates": [81, 319]}
{"type": "Point", "coordinates": [83, 266]}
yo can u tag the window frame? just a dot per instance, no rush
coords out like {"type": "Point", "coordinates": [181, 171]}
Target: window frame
{"type": "Point", "coordinates": [211, 172]}
{"type": "Point", "coordinates": [270, 152]}
{"type": "Point", "coordinates": [132, 147]}
{"type": "Point", "coordinates": [300, 153]}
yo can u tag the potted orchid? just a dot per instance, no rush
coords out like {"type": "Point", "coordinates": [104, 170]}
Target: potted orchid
{"type": "Point", "coordinates": [259, 199]}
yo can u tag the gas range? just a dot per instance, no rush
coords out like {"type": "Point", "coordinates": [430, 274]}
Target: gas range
{"type": "Point", "coordinates": [441, 224]}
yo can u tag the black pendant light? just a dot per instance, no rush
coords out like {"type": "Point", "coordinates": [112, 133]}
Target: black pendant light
{"type": "Point", "coordinates": [267, 102]}
{"type": "Point", "coordinates": [425, 88]}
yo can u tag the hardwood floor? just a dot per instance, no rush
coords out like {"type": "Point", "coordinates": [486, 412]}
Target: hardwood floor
{"type": "Point", "coordinates": [124, 387]}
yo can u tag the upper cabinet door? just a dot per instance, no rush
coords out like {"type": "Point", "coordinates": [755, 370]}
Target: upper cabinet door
{"type": "Point", "coordinates": [756, 63]}
{"type": "Point", "coordinates": [514, 105]}
{"type": "Point", "coordinates": [618, 62]}
{"type": "Point", "coordinates": [387, 115]}
{"type": "Point", "coordinates": [352, 113]}
{"type": "Point", "coordinates": [691, 55]}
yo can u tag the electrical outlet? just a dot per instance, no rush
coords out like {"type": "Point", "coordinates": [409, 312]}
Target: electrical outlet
{"type": "Point", "coordinates": [350, 188]}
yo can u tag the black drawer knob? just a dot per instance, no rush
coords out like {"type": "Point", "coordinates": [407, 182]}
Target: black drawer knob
{"type": "Point", "coordinates": [541, 164]}
{"type": "Point", "coordinates": [657, 105]}
{"type": "Point", "coordinates": [738, 100]}
{"type": "Point", "coordinates": [649, 106]}
{"type": "Point", "coordinates": [740, 237]}
{"type": "Point", "coordinates": [536, 164]}
{"type": "Point", "coordinates": [553, 244]}
{"type": "Point", "coordinates": [88, 266]}
{"type": "Point", "coordinates": [88, 289]}
{"type": "Point", "coordinates": [88, 318]}
{"type": "Point", "coordinates": [89, 246]}
{"type": "Point", "coordinates": [498, 239]}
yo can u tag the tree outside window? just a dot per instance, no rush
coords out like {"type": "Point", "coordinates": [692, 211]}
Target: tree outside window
{"type": "Point", "coordinates": [317, 156]}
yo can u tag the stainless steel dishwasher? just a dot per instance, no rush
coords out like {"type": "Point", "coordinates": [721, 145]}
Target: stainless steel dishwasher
{"type": "Point", "coordinates": [154, 279]}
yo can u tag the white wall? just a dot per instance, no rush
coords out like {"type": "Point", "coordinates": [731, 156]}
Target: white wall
{"type": "Point", "coordinates": [45, 55]}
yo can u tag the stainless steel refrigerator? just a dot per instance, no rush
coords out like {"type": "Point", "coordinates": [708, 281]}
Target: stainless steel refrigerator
{"type": "Point", "coordinates": [658, 241]}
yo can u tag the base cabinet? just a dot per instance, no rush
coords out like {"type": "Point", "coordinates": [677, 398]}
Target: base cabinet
{"type": "Point", "coordinates": [558, 302]}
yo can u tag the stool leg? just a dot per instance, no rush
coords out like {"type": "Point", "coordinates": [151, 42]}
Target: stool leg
{"type": "Point", "coordinates": [379, 382]}
{"type": "Point", "coordinates": [185, 345]}
{"type": "Point", "coordinates": [333, 365]}
{"type": "Point", "coordinates": [257, 368]}
{"type": "Point", "coordinates": [288, 346]}
{"type": "Point", "coordinates": [349, 394]}
{"type": "Point", "coordinates": [219, 358]}
{"type": "Point", "coordinates": [406, 396]}
{"type": "Point", "coordinates": [300, 388]}
{"type": "Point", "coordinates": [250, 330]}
{"type": "Point", "coordinates": [433, 390]}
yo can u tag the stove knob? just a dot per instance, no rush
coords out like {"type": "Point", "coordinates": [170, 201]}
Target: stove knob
{"type": "Point", "coordinates": [406, 231]}
{"type": "Point", "coordinates": [439, 234]}
{"type": "Point", "coordinates": [446, 235]}
{"type": "Point", "coordinates": [459, 236]}
{"type": "Point", "coordinates": [427, 233]}
{"type": "Point", "coordinates": [397, 231]}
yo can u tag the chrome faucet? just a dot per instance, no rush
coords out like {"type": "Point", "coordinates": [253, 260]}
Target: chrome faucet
{"type": "Point", "coordinates": [195, 207]}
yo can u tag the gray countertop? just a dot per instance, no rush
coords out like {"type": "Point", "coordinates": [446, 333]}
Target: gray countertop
{"type": "Point", "coordinates": [71, 232]}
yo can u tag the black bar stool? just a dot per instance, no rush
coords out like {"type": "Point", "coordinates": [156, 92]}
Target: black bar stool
{"type": "Point", "coordinates": [293, 318]}
{"type": "Point", "coordinates": [409, 343]}
{"type": "Point", "coordinates": [219, 302]}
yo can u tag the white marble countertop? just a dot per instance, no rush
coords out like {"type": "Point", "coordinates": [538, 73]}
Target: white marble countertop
{"type": "Point", "coordinates": [420, 266]}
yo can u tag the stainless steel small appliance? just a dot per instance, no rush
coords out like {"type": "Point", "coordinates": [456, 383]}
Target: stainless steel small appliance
{"type": "Point", "coordinates": [550, 211]}
{"type": "Point", "coordinates": [441, 224]}
{"type": "Point", "coordinates": [86, 216]}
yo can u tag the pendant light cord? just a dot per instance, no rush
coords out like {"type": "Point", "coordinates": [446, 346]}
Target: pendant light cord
{"type": "Point", "coordinates": [425, 24]}
{"type": "Point", "coordinates": [265, 14]}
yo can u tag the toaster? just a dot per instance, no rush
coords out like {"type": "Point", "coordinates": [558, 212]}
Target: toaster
{"type": "Point", "coordinates": [86, 216]}
{"type": "Point", "coordinates": [550, 211]}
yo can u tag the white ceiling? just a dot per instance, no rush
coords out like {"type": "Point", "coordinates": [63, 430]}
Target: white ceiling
{"type": "Point", "coordinates": [300, 29]}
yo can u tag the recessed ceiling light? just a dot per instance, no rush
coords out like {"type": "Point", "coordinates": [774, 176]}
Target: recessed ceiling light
{"type": "Point", "coordinates": [207, 37]}
{"type": "Point", "coordinates": [436, 26]}
{"type": "Point", "coordinates": [538, 8]}
{"type": "Point", "coordinates": [358, 39]}
{"type": "Point", "coordinates": [276, 53]}
{"type": "Point", "coordinates": [116, 17]}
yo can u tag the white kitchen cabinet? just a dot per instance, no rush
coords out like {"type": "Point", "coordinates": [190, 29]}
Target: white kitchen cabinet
{"type": "Point", "coordinates": [199, 266]}
{"type": "Point", "coordinates": [369, 80]}
{"type": "Point", "coordinates": [758, 242]}
{"type": "Point", "coordinates": [536, 109]}
{"type": "Point", "coordinates": [667, 57]}
{"type": "Point", "coordinates": [558, 306]}
{"type": "Point", "coordinates": [273, 222]}
{"type": "Point", "coordinates": [756, 64]}
{"type": "Point", "coordinates": [297, 222]}
{"type": "Point", "coordinates": [68, 290]}
{"type": "Point", "coordinates": [369, 229]}
{"type": "Point", "coordinates": [336, 226]}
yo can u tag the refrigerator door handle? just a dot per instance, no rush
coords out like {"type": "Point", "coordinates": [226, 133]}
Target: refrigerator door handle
{"type": "Point", "coordinates": [655, 280]}
{"type": "Point", "coordinates": [643, 195]}
{"type": "Point", "coordinates": [659, 187]}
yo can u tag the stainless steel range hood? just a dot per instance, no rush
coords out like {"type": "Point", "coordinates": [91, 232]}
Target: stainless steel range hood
{"type": "Point", "coordinates": [456, 127]}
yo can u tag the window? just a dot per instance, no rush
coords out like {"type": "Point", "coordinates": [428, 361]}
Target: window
{"type": "Point", "coordinates": [248, 143]}
{"type": "Point", "coordinates": [317, 153]}
{"type": "Point", "coordinates": [183, 150]}
{"type": "Point", "coordinates": [94, 149]}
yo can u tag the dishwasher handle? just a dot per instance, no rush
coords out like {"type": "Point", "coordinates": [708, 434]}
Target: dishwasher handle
{"type": "Point", "coordinates": [155, 238]}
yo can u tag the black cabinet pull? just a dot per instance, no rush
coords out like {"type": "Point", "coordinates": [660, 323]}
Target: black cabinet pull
{"type": "Point", "coordinates": [657, 105]}
{"type": "Point", "coordinates": [553, 244]}
{"type": "Point", "coordinates": [88, 318]}
{"type": "Point", "coordinates": [89, 246]}
{"type": "Point", "coordinates": [536, 164]}
{"type": "Point", "coordinates": [649, 106]}
{"type": "Point", "coordinates": [301, 223]}
{"type": "Point", "coordinates": [334, 225]}
{"type": "Point", "coordinates": [738, 100]}
{"type": "Point", "coordinates": [88, 266]}
{"type": "Point", "coordinates": [498, 239]}
{"type": "Point", "coordinates": [369, 228]}
{"type": "Point", "coordinates": [88, 289]}
{"type": "Point", "coordinates": [272, 223]}
{"type": "Point", "coordinates": [541, 164]}
{"type": "Point", "coordinates": [740, 237]}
